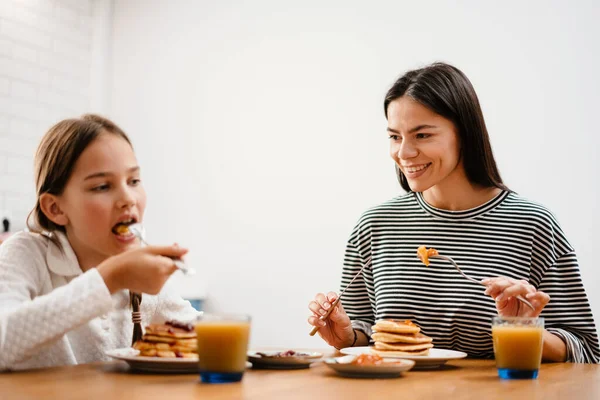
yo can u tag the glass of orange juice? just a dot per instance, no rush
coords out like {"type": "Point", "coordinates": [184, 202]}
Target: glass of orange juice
{"type": "Point", "coordinates": [222, 347]}
{"type": "Point", "coordinates": [518, 346]}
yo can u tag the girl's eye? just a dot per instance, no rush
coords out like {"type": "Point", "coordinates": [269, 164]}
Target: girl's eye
{"type": "Point", "coordinates": [422, 135]}
{"type": "Point", "coordinates": [100, 188]}
{"type": "Point", "coordinates": [394, 137]}
{"type": "Point", "coordinates": [135, 182]}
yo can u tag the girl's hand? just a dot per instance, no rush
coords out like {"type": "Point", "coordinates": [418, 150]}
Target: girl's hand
{"type": "Point", "coordinates": [143, 270]}
{"type": "Point", "coordinates": [336, 330]}
{"type": "Point", "coordinates": [505, 290]}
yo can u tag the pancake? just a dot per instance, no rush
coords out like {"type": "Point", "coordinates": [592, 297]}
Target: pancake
{"type": "Point", "coordinates": [389, 353]}
{"type": "Point", "coordinates": [173, 339]}
{"type": "Point", "coordinates": [399, 338]}
{"type": "Point", "coordinates": [142, 345]}
{"type": "Point", "coordinates": [415, 338]}
{"type": "Point", "coordinates": [396, 326]}
{"type": "Point", "coordinates": [183, 349]}
{"type": "Point", "coordinates": [149, 353]}
{"type": "Point", "coordinates": [402, 346]}
{"type": "Point", "coordinates": [170, 331]}
{"type": "Point", "coordinates": [164, 339]}
{"type": "Point", "coordinates": [158, 353]}
{"type": "Point", "coordinates": [168, 354]}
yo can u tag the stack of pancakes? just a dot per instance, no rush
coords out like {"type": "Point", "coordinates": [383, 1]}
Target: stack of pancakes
{"type": "Point", "coordinates": [172, 339]}
{"type": "Point", "coordinates": [399, 338]}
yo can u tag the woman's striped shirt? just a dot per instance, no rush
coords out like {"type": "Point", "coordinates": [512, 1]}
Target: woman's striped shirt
{"type": "Point", "coordinates": [507, 236]}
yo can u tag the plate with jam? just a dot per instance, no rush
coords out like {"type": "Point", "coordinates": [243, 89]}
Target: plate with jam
{"type": "Point", "coordinates": [286, 359]}
{"type": "Point", "coordinates": [368, 366]}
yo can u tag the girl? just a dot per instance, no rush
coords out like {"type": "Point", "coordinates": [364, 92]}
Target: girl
{"type": "Point", "coordinates": [456, 203]}
{"type": "Point", "coordinates": [63, 284]}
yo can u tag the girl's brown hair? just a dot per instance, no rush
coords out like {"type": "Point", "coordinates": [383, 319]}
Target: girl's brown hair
{"type": "Point", "coordinates": [55, 160]}
{"type": "Point", "coordinates": [56, 156]}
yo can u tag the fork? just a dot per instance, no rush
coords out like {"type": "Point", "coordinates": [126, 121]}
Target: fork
{"type": "Point", "coordinates": [335, 303]}
{"type": "Point", "coordinates": [138, 231]}
{"type": "Point", "coordinates": [451, 261]}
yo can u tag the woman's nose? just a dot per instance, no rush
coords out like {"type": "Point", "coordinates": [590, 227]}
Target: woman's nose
{"type": "Point", "coordinates": [126, 198]}
{"type": "Point", "coordinates": [407, 150]}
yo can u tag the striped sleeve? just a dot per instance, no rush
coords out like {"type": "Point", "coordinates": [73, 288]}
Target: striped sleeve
{"type": "Point", "coordinates": [568, 315]}
{"type": "Point", "coordinates": [358, 299]}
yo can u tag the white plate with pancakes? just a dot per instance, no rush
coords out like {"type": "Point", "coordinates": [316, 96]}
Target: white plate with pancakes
{"type": "Point", "coordinates": [436, 357]}
{"type": "Point", "coordinates": [345, 366]}
{"type": "Point", "coordinates": [399, 339]}
{"type": "Point", "coordinates": [172, 365]}
{"type": "Point", "coordinates": [286, 359]}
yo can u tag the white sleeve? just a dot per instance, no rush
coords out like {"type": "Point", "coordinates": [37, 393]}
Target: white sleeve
{"type": "Point", "coordinates": [29, 321]}
{"type": "Point", "coordinates": [171, 306]}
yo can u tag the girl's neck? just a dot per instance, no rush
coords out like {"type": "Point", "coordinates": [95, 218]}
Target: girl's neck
{"type": "Point", "coordinates": [86, 257]}
{"type": "Point", "coordinates": [456, 193]}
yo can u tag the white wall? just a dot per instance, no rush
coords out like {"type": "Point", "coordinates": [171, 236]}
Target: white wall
{"type": "Point", "coordinates": [261, 135]}
{"type": "Point", "coordinates": [45, 54]}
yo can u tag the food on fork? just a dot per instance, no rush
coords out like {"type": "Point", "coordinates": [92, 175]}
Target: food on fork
{"type": "Point", "coordinates": [399, 338]}
{"type": "Point", "coordinates": [424, 253]}
{"type": "Point", "coordinates": [122, 229]}
{"type": "Point", "coordinates": [171, 339]}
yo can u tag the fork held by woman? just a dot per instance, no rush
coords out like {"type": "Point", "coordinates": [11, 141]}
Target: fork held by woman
{"type": "Point", "coordinates": [432, 253]}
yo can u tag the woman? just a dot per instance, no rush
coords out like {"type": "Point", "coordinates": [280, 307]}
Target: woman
{"type": "Point", "coordinates": [457, 204]}
{"type": "Point", "coordinates": [64, 285]}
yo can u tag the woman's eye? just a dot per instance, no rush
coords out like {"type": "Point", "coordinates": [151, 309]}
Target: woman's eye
{"type": "Point", "coordinates": [422, 135]}
{"type": "Point", "coordinates": [100, 188]}
{"type": "Point", "coordinates": [394, 137]}
{"type": "Point", "coordinates": [135, 182]}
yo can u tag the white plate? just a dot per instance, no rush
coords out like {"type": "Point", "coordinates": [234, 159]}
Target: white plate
{"type": "Point", "coordinates": [154, 364]}
{"type": "Point", "coordinates": [269, 361]}
{"type": "Point", "coordinates": [435, 359]}
{"type": "Point", "coordinates": [389, 369]}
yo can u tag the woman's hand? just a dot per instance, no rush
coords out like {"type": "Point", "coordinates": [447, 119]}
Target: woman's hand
{"type": "Point", "coordinates": [505, 291]}
{"type": "Point", "coordinates": [143, 270]}
{"type": "Point", "coordinates": [336, 330]}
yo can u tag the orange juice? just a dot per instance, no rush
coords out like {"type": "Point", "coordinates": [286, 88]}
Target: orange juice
{"type": "Point", "coordinates": [518, 347]}
{"type": "Point", "coordinates": [222, 345]}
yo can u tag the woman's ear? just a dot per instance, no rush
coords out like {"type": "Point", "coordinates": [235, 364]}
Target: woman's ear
{"type": "Point", "coordinates": [51, 209]}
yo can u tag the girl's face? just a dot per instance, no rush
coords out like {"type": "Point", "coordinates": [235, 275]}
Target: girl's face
{"type": "Point", "coordinates": [424, 145]}
{"type": "Point", "coordinates": [103, 192]}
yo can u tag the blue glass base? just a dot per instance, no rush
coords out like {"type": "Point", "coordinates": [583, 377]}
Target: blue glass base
{"type": "Point", "coordinates": [220, 377]}
{"type": "Point", "coordinates": [507, 373]}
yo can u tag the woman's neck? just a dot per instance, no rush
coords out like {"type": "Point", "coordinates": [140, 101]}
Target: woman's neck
{"type": "Point", "coordinates": [456, 193]}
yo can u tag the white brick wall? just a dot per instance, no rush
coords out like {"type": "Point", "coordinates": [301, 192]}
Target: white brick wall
{"type": "Point", "coordinates": [45, 56]}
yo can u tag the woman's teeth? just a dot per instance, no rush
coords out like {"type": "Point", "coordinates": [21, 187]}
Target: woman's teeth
{"type": "Point", "coordinates": [416, 169]}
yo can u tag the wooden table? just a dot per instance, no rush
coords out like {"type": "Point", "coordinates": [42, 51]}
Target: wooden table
{"type": "Point", "coordinates": [468, 379]}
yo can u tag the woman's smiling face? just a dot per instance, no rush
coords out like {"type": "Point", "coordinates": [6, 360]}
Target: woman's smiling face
{"type": "Point", "coordinates": [424, 145]}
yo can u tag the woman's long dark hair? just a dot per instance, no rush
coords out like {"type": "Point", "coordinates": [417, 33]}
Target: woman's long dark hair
{"type": "Point", "coordinates": [445, 90]}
